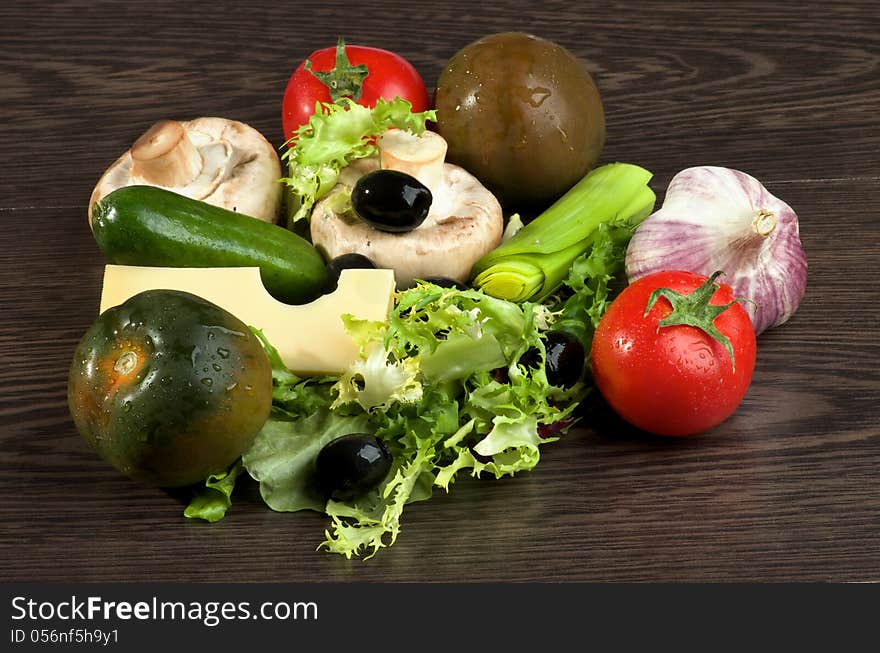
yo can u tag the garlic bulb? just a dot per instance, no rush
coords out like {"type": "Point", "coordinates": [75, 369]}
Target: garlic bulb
{"type": "Point", "coordinates": [716, 218]}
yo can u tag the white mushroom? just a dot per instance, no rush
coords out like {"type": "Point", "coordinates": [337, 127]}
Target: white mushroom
{"type": "Point", "coordinates": [219, 161]}
{"type": "Point", "coordinates": [465, 220]}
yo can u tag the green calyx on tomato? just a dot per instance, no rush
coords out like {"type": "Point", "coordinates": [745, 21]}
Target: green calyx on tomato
{"type": "Point", "coordinates": [344, 80]}
{"type": "Point", "coordinates": [695, 310]}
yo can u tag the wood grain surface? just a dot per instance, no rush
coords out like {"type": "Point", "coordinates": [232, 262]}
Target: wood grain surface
{"type": "Point", "coordinates": [785, 490]}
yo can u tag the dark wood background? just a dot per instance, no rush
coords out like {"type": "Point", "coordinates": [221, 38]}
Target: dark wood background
{"type": "Point", "coordinates": [787, 489]}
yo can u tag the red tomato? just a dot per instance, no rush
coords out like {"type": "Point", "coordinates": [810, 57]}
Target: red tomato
{"type": "Point", "coordinates": [387, 75]}
{"type": "Point", "coordinates": [676, 379]}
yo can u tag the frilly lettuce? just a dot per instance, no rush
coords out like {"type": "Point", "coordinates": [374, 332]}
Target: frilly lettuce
{"type": "Point", "coordinates": [378, 381]}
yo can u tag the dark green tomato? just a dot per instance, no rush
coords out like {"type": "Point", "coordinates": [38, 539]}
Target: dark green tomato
{"type": "Point", "coordinates": [565, 359]}
{"type": "Point", "coordinates": [390, 200]}
{"type": "Point", "coordinates": [169, 388]}
{"type": "Point", "coordinates": [351, 465]}
{"type": "Point", "coordinates": [345, 262]}
{"type": "Point", "coordinates": [523, 115]}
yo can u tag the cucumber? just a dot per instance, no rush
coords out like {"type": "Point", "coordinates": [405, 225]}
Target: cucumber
{"type": "Point", "coordinates": [146, 225]}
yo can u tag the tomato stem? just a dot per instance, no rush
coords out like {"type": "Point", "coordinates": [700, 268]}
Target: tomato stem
{"type": "Point", "coordinates": [695, 310]}
{"type": "Point", "coordinates": [344, 80]}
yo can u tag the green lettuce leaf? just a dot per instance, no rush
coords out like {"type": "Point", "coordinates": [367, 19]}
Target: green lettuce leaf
{"type": "Point", "coordinates": [283, 454]}
{"type": "Point", "coordinates": [459, 356]}
{"type": "Point", "coordinates": [377, 381]}
{"type": "Point", "coordinates": [337, 134]}
{"type": "Point", "coordinates": [293, 396]}
{"type": "Point", "coordinates": [213, 499]}
{"type": "Point", "coordinates": [589, 288]}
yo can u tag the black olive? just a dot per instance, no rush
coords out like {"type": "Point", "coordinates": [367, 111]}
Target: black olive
{"type": "Point", "coordinates": [565, 360]}
{"type": "Point", "coordinates": [345, 262]}
{"type": "Point", "coordinates": [352, 464]}
{"type": "Point", "coordinates": [530, 358]}
{"type": "Point", "coordinates": [445, 282]}
{"type": "Point", "coordinates": [390, 200]}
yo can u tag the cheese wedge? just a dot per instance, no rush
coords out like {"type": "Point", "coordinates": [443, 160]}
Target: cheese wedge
{"type": "Point", "coordinates": [310, 338]}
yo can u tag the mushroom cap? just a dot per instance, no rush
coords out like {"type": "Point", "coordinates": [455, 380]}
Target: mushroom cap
{"type": "Point", "coordinates": [465, 222]}
{"type": "Point", "coordinates": [219, 161]}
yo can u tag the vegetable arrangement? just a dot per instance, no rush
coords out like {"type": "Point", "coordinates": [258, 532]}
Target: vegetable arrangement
{"type": "Point", "coordinates": [497, 330]}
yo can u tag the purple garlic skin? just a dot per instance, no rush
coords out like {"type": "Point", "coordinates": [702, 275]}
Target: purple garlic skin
{"type": "Point", "coordinates": [715, 218]}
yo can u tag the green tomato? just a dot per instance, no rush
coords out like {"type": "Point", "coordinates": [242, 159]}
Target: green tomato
{"type": "Point", "coordinates": [169, 388]}
{"type": "Point", "coordinates": [523, 115]}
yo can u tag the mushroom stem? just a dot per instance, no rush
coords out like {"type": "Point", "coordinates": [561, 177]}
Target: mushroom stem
{"type": "Point", "coordinates": [165, 156]}
{"type": "Point", "coordinates": [419, 156]}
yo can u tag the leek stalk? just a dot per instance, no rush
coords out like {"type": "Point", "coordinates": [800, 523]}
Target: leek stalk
{"type": "Point", "coordinates": [535, 261]}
